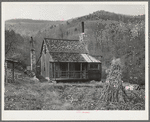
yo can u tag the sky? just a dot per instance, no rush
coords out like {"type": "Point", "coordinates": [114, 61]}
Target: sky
{"type": "Point", "coordinates": [66, 10]}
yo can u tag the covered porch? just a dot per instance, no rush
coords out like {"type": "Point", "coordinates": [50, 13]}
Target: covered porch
{"type": "Point", "coordinates": [68, 71]}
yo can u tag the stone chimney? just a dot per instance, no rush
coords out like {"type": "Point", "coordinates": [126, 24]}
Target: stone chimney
{"type": "Point", "coordinates": [32, 55]}
{"type": "Point", "coordinates": [82, 27]}
{"type": "Point", "coordinates": [83, 38]}
{"type": "Point", "coordinates": [82, 35]}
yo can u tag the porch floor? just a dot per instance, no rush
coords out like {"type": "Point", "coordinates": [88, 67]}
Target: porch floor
{"type": "Point", "coordinates": [69, 79]}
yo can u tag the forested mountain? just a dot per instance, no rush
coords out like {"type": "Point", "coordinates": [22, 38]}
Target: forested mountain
{"type": "Point", "coordinates": [28, 27]}
{"type": "Point", "coordinates": [109, 34]}
{"type": "Point", "coordinates": [17, 47]}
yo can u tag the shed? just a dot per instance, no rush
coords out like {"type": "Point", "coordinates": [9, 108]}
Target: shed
{"type": "Point", "coordinates": [13, 62]}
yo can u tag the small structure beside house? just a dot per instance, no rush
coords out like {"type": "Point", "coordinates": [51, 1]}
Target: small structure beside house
{"type": "Point", "coordinates": [12, 62]}
{"type": "Point", "coordinates": [63, 59]}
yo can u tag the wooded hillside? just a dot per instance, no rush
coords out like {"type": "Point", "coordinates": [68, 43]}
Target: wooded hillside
{"type": "Point", "coordinates": [111, 35]}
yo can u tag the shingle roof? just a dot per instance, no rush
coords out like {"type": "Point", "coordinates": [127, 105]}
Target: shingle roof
{"type": "Point", "coordinates": [72, 57]}
{"type": "Point", "coordinates": [63, 50]}
{"type": "Point", "coordinates": [66, 57]}
{"type": "Point", "coordinates": [64, 45]}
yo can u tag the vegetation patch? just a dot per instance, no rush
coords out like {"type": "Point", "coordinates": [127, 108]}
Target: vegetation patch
{"type": "Point", "coordinates": [25, 95]}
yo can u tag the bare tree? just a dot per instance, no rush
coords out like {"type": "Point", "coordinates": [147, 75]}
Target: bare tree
{"type": "Point", "coordinates": [10, 41]}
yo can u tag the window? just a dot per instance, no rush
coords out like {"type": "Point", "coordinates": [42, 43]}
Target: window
{"type": "Point", "coordinates": [93, 66]}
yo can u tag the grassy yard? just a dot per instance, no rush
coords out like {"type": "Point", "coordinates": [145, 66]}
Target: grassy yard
{"type": "Point", "coordinates": [28, 94]}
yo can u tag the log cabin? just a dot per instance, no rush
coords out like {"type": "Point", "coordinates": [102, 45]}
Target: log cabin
{"type": "Point", "coordinates": [67, 60]}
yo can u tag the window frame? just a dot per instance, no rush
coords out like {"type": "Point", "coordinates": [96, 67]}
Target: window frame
{"type": "Point", "coordinates": [94, 68]}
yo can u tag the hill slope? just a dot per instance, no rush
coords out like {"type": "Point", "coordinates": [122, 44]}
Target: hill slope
{"type": "Point", "coordinates": [109, 34]}
{"type": "Point", "coordinates": [28, 27]}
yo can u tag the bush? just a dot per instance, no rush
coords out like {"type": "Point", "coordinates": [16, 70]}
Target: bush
{"type": "Point", "coordinates": [29, 73]}
{"type": "Point", "coordinates": [41, 78]}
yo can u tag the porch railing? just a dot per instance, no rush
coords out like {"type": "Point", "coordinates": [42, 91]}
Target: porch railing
{"type": "Point", "coordinates": [71, 74]}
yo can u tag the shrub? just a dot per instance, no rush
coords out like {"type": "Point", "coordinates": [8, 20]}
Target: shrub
{"type": "Point", "coordinates": [41, 78]}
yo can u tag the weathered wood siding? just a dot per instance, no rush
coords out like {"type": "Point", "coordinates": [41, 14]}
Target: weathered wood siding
{"type": "Point", "coordinates": [43, 71]}
{"type": "Point", "coordinates": [45, 59]}
{"type": "Point", "coordinates": [50, 70]}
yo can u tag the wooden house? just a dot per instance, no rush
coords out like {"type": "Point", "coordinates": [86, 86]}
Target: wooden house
{"type": "Point", "coordinates": [63, 59]}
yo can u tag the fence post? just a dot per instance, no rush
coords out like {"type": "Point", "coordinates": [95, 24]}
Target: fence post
{"type": "Point", "coordinates": [54, 71]}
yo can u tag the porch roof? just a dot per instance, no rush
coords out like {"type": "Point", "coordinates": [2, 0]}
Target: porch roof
{"type": "Point", "coordinates": [89, 58]}
{"type": "Point", "coordinates": [72, 57]}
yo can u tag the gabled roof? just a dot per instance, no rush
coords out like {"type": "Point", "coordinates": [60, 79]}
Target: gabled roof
{"type": "Point", "coordinates": [63, 50]}
{"type": "Point", "coordinates": [64, 45]}
{"type": "Point", "coordinates": [11, 60]}
{"type": "Point", "coordinates": [13, 56]}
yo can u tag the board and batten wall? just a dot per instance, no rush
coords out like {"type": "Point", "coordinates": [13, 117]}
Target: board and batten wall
{"type": "Point", "coordinates": [45, 62]}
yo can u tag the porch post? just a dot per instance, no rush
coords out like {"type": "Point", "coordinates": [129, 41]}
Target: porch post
{"type": "Point", "coordinates": [80, 70]}
{"type": "Point", "coordinates": [68, 69]}
{"type": "Point", "coordinates": [98, 66]}
{"type": "Point", "coordinates": [88, 68]}
{"type": "Point", "coordinates": [58, 69]}
{"type": "Point", "coordinates": [54, 71]}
